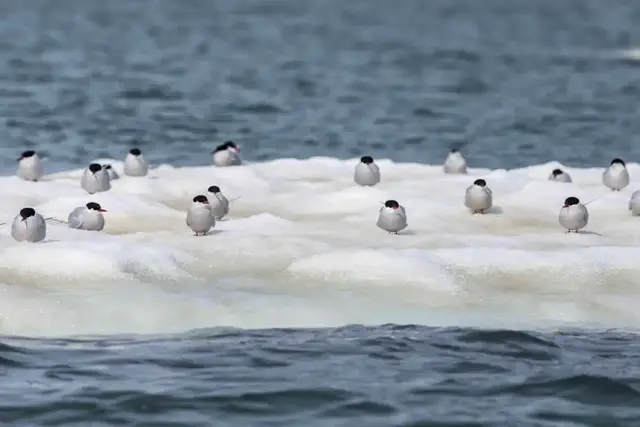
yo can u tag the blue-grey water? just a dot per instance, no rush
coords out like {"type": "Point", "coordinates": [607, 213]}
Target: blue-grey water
{"type": "Point", "coordinates": [383, 376]}
{"type": "Point", "coordinates": [519, 82]}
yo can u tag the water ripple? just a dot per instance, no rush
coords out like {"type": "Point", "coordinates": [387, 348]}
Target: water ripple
{"type": "Point", "coordinates": [391, 375]}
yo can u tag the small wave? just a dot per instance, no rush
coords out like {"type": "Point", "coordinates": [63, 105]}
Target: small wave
{"type": "Point", "coordinates": [256, 108]}
{"type": "Point", "coordinates": [153, 92]}
{"type": "Point", "coordinates": [12, 356]}
{"type": "Point", "coordinates": [583, 388]}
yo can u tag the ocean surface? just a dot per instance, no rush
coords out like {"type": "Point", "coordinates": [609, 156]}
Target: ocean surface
{"type": "Point", "coordinates": [296, 310]}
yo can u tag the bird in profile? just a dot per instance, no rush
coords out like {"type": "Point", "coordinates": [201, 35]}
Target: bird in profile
{"type": "Point", "coordinates": [392, 217]}
{"type": "Point", "coordinates": [573, 215]}
{"type": "Point", "coordinates": [218, 202]}
{"type": "Point", "coordinates": [88, 217]}
{"type": "Point", "coordinates": [455, 162]}
{"type": "Point", "coordinates": [367, 173]}
{"type": "Point", "coordinates": [634, 203]}
{"type": "Point", "coordinates": [135, 163]}
{"type": "Point", "coordinates": [478, 197]}
{"type": "Point", "coordinates": [29, 166]}
{"type": "Point", "coordinates": [113, 175]}
{"type": "Point", "coordinates": [559, 175]}
{"type": "Point", "coordinates": [616, 176]}
{"type": "Point", "coordinates": [227, 154]}
{"type": "Point", "coordinates": [199, 216]}
{"type": "Point", "coordinates": [28, 226]}
{"type": "Point", "coordinates": [95, 179]}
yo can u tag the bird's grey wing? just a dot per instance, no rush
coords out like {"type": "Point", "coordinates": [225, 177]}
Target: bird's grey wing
{"type": "Point", "coordinates": [467, 195]}
{"type": "Point", "coordinates": [189, 219]}
{"type": "Point", "coordinates": [403, 212]}
{"type": "Point", "coordinates": [40, 221]}
{"type": "Point", "coordinates": [75, 218]}
{"type": "Point", "coordinates": [225, 204]}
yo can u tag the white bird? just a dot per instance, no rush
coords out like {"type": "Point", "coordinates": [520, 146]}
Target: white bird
{"type": "Point", "coordinates": [113, 175]}
{"type": "Point", "coordinates": [29, 226]}
{"type": "Point", "coordinates": [559, 175]}
{"type": "Point", "coordinates": [199, 216]}
{"type": "Point", "coordinates": [95, 179]}
{"type": "Point", "coordinates": [227, 155]}
{"type": "Point", "coordinates": [88, 217]}
{"type": "Point", "coordinates": [218, 202]}
{"type": "Point", "coordinates": [478, 197]}
{"type": "Point", "coordinates": [573, 215]}
{"type": "Point", "coordinates": [455, 162]}
{"type": "Point", "coordinates": [392, 217]}
{"type": "Point", "coordinates": [29, 166]}
{"type": "Point", "coordinates": [367, 173]}
{"type": "Point", "coordinates": [616, 176]}
{"type": "Point", "coordinates": [634, 203]}
{"type": "Point", "coordinates": [135, 164]}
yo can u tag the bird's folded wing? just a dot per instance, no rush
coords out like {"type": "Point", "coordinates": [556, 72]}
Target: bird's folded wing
{"type": "Point", "coordinates": [585, 215]}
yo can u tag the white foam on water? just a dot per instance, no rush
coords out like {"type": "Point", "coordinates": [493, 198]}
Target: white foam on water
{"type": "Point", "coordinates": [301, 249]}
{"type": "Point", "coordinates": [632, 53]}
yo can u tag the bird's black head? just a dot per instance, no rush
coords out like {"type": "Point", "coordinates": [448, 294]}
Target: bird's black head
{"type": "Point", "coordinates": [94, 206]}
{"type": "Point", "coordinates": [27, 212]}
{"type": "Point", "coordinates": [94, 167]}
{"type": "Point", "coordinates": [480, 182]}
{"type": "Point", "coordinates": [391, 204]}
{"type": "Point", "coordinates": [200, 199]}
{"type": "Point", "coordinates": [557, 172]}
{"type": "Point", "coordinates": [135, 151]}
{"type": "Point", "coordinates": [26, 154]}
{"type": "Point", "coordinates": [570, 201]}
{"type": "Point", "coordinates": [454, 150]}
{"type": "Point", "coordinates": [367, 160]}
{"type": "Point", "coordinates": [230, 144]}
{"type": "Point", "coordinates": [213, 189]}
{"type": "Point", "coordinates": [107, 167]}
{"type": "Point", "coordinates": [221, 147]}
{"type": "Point", "coordinates": [618, 161]}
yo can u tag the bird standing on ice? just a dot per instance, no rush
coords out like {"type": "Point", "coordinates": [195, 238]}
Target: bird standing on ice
{"type": "Point", "coordinates": [88, 217]}
{"type": "Point", "coordinates": [478, 197]}
{"type": "Point", "coordinates": [634, 203]}
{"type": "Point", "coordinates": [367, 172]}
{"type": "Point", "coordinates": [95, 179]}
{"type": "Point", "coordinates": [218, 202]}
{"type": "Point", "coordinates": [392, 217]}
{"type": "Point", "coordinates": [559, 175]}
{"type": "Point", "coordinates": [227, 155]}
{"type": "Point", "coordinates": [455, 162]}
{"type": "Point", "coordinates": [573, 215]}
{"type": "Point", "coordinates": [199, 216]}
{"type": "Point", "coordinates": [616, 176]}
{"type": "Point", "coordinates": [135, 163]}
{"type": "Point", "coordinates": [29, 166]}
{"type": "Point", "coordinates": [29, 226]}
